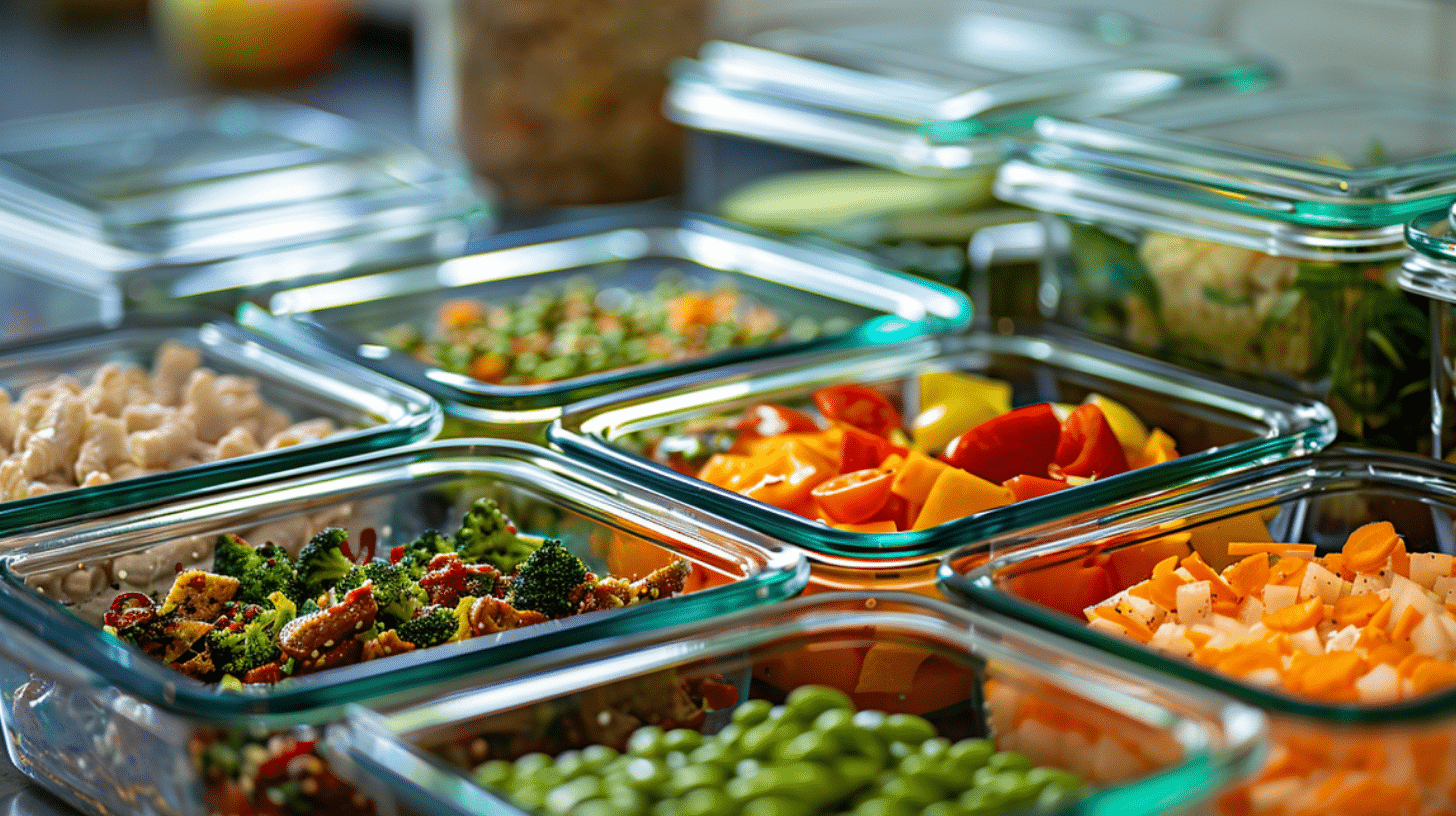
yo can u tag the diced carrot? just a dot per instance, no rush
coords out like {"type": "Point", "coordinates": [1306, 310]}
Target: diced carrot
{"type": "Point", "coordinates": [1407, 623]}
{"type": "Point", "coordinates": [1356, 609]}
{"type": "Point", "coordinates": [1391, 653]}
{"type": "Point", "coordinates": [1369, 546]}
{"type": "Point", "coordinates": [1400, 559]}
{"type": "Point", "coordinates": [1249, 575]}
{"type": "Point", "coordinates": [892, 463]}
{"type": "Point", "coordinates": [882, 526]}
{"type": "Point", "coordinates": [491, 368]}
{"type": "Point", "coordinates": [1241, 548]}
{"type": "Point", "coordinates": [1166, 566]}
{"type": "Point", "coordinates": [1135, 628]}
{"type": "Point", "coordinates": [1197, 638]}
{"type": "Point", "coordinates": [1332, 675]}
{"type": "Point", "coordinates": [1201, 571]}
{"type": "Point", "coordinates": [1408, 664]}
{"type": "Point", "coordinates": [1335, 562]}
{"type": "Point", "coordinates": [1228, 607]}
{"type": "Point", "coordinates": [1250, 657]}
{"type": "Point", "coordinates": [1433, 675]}
{"type": "Point", "coordinates": [453, 314]}
{"type": "Point", "coordinates": [1288, 571]}
{"type": "Point", "coordinates": [1381, 618]}
{"type": "Point", "coordinates": [1296, 617]}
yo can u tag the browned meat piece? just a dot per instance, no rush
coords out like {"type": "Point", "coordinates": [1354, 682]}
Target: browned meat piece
{"type": "Point", "coordinates": [607, 593]}
{"type": "Point", "coordinates": [490, 615]}
{"type": "Point", "coordinates": [663, 582]}
{"type": "Point", "coordinates": [317, 639]}
{"type": "Point", "coordinates": [385, 645]}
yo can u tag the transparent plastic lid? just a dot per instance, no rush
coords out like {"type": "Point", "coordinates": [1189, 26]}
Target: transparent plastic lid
{"type": "Point", "coordinates": [1431, 269]}
{"type": "Point", "coordinates": [935, 94]}
{"type": "Point", "coordinates": [1295, 170]}
{"type": "Point", "coordinates": [202, 180]}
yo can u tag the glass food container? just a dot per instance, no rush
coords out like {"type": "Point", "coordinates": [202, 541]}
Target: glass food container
{"type": "Point", "coordinates": [638, 314]}
{"type": "Point", "coordinates": [557, 104]}
{"type": "Point", "coordinates": [883, 127]}
{"type": "Point", "coordinates": [1428, 272]}
{"type": "Point", "coordinates": [1144, 747]}
{"type": "Point", "coordinates": [1259, 235]}
{"type": "Point", "coordinates": [164, 406]}
{"type": "Point", "coordinates": [210, 201]}
{"type": "Point", "coordinates": [1217, 427]}
{"type": "Point", "coordinates": [1346, 755]}
{"type": "Point", "coordinates": [112, 730]}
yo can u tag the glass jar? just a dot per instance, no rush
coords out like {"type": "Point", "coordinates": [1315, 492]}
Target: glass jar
{"type": "Point", "coordinates": [1259, 236]}
{"type": "Point", "coordinates": [1430, 271]}
{"type": "Point", "coordinates": [883, 128]}
{"type": "Point", "coordinates": [558, 102]}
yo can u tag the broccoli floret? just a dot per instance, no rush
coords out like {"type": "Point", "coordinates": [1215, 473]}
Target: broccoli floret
{"type": "Point", "coordinates": [233, 556]}
{"type": "Point", "coordinates": [544, 581]}
{"type": "Point", "coordinates": [252, 643]}
{"type": "Point", "coordinates": [486, 536]}
{"type": "Point", "coordinates": [322, 561]}
{"type": "Point", "coordinates": [272, 573]}
{"type": "Point", "coordinates": [430, 629]}
{"type": "Point", "coordinates": [398, 596]}
{"type": "Point", "coordinates": [415, 556]}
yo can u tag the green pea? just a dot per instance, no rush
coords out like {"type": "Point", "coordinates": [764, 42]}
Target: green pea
{"type": "Point", "coordinates": [807, 702]}
{"type": "Point", "coordinates": [943, 773]}
{"type": "Point", "coordinates": [569, 765]}
{"type": "Point", "coordinates": [1012, 787]}
{"type": "Point", "coordinates": [645, 774]}
{"type": "Point", "coordinates": [907, 728]}
{"type": "Point", "coordinates": [647, 741]}
{"type": "Point", "coordinates": [564, 798]}
{"type": "Point", "coordinates": [870, 719]}
{"type": "Point", "coordinates": [705, 802]}
{"type": "Point", "coordinates": [597, 757]}
{"type": "Point", "coordinates": [864, 744]}
{"type": "Point", "coordinates": [814, 745]}
{"type": "Point", "coordinates": [1009, 761]}
{"type": "Point", "coordinates": [682, 739]}
{"type": "Point", "coordinates": [776, 806]}
{"type": "Point", "coordinates": [495, 773]}
{"type": "Point", "coordinates": [883, 806]}
{"type": "Point", "coordinates": [693, 777]}
{"type": "Point", "coordinates": [971, 753]}
{"type": "Point", "coordinates": [751, 712]}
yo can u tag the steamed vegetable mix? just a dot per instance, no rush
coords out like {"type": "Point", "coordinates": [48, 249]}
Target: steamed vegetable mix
{"type": "Point", "coordinates": [1371, 623]}
{"type": "Point", "coordinates": [555, 333]}
{"type": "Point", "coordinates": [1342, 330]}
{"type": "Point", "coordinates": [261, 615]}
{"type": "Point", "coordinates": [858, 466]}
{"type": "Point", "coordinates": [814, 754]}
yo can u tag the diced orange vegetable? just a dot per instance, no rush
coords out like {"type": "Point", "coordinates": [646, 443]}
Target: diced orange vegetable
{"type": "Point", "coordinates": [1135, 629]}
{"type": "Point", "coordinates": [1202, 572]}
{"type": "Point", "coordinates": [1356, 609]}
{"type": "Point", "coordinates": [453, 314]}
{"type": "Point", "coordinates": [1134, 561]}
{"type": "Point", "coordinates": [725, 470]}
{"type": "Point", "coordinates": [1158, 448]}
{"type": "Point", "coordinates": [914, 479]}
{"type": "Point", "coordinates": [825, 443]}
{"type": "Point", "coordinates": [882, 526]}
{"type": "Point", "coordinates": [1409, 619]}
{"type": "Point", "coordinates": [1368, 547]}
{"type": "Point", "coordinates": [1400, 559]}
{"type": "Point", "coordinates": [1433, 675]}
{"type": "Point", "coordinates": [788, 476]}
{"type": "Point", "coordinates": [1408, 664]}
{"type": "Point", "coordinates": [1335, 562]}
{"type": "Point", "coordinates": [957, 494]}
{"type": "Point", "coordinates": [1250, 657]}
{"type": "Point", "coordinates": [1166, 566]}
{"type": "Point", "coordinates": [1288, 572]}
{"type": "Point", "coordinates": [1381, 618]}
{"type": "Point", "coordinates": [1026, 486]}
{"type": "Point", "coordinates": [1332, 675]}
{"type": "Point", "coordinates": [1296, 617]}
{"type": "Point", "coordinates": [1241, 548]}
{"type": "Point", "coordinates": [1248, 576]}
{"type": "Point", "coordinates": [1211, 540]}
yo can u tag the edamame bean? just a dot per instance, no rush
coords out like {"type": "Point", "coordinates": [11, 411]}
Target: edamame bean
{"type": "Point", "coordinates": [751, 712]}
{"type": "Point", "coordinates": [495, 773]}
{"type": "Point", "coordinates": [808, 702]}
{"type": "Point", "coordinates": [564, 798]}
{"type": "Point", "coordinates": [647, 741]}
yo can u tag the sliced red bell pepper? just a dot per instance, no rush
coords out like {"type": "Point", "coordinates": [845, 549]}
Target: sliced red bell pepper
{"type": "Point", "coordinates": [861, 449]}
{"type": "Point", "coordinates": [1020, 441]}
{"type": "Point", "coordinates": [1027, 486]}
{"type": "Point", "coordinates": [855, 496]}
{"type": "Point", "coordinates": [859, 406]}
{"type": "Point", "coordinates": [1087, 446]}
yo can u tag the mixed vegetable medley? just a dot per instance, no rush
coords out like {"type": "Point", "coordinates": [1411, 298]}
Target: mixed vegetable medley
{"type": "Point", "coordinates": [259, 615]}
{"type": "Point", "coordinates": [813, 754]}
{"type": "Point", "coordinates": [859, 466]}
{"type": "Point", "coordinates": [555, 333]}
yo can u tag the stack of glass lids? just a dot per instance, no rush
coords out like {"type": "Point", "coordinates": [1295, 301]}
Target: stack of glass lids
{"type": "Point", "coordinates": [205, 202]}
{"type": "Point", "coordinates": [937, 95]}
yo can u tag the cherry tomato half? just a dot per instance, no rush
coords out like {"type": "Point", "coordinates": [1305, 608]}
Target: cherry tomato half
{"type": "Point", "coordinates": [1020, 441]}
{"type": "Point", "coordinates": [771, 420]}
{"type": "Point", "coordinates": [860, 406]}
{"type": "Point", "coordinates": [855, 496]}
{"type": "Point", "coordinates": [1087, 446]}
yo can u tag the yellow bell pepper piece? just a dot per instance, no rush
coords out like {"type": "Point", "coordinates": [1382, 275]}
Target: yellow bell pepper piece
{"type": "Point", "coordinates": [953, 402]}
{"type": "Point", "coordinates": [957, 494]}
{"type": "Point", "coordinates": [1125, 424]}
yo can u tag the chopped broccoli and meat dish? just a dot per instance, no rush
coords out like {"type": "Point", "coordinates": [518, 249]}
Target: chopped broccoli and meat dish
{"type": "Point", "coordinates": [260, 616]}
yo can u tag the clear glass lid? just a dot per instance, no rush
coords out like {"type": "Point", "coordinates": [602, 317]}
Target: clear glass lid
{"type": "Point", "coordinates": [924, 91]}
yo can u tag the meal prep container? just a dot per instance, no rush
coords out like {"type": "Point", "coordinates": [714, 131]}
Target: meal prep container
{"type": "Point", "coordinates": [1149, 747]}
{"type": "Point", "coordinates": [368, 411]}
{"type": "Point", "coordinates": [843, 299]}
{"type": "Point", "coordinates": [1259, 235]}
{"type": "Point", "coordinates": [207, 202]}
{"type": "Point", "coordinates": [1429, 271]}
{"type": "Point", "coordinates": [883, 128]}
{"type": "Point", "coordinates": [113, 732]}
{"type": "Point", "coordinates": [1035, 575]}
{"type": "Point", "coordinates": [1218, 427]}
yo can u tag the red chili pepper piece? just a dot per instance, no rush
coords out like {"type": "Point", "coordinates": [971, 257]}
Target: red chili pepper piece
{"type": "Point", "coordinates": [1020, 441]}
{"type": "Point", "coordinates": [1087, 446]}
{"type": "Point", "coordinates": [395, 554]}
{"type": "Point", "coordinates": [772, 420]}
{"type": "Point", "coordinates": [854, 497]}
{"type": "Point", "coordinates": [859, 406]}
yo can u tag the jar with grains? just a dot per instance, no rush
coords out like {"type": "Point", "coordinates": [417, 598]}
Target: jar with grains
{"type": "Point", "coordinates": [559, 102]}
